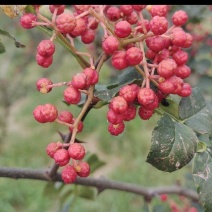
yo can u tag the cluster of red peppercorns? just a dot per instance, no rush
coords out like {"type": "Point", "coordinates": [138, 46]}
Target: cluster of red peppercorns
{"type": "Point", "coordinates": [155, 49]}
{"type": "Point", "coordinates": [80, 81]}
{"type": "Point", "coordinates": [45, 51]}
{"type": "Point", "coordinates": [124, 106]}
{"type": "Point", "coordinates": [164, 47]}
{"type": "Point", "coordinates": [66, 24]}
{"type": "Point", "coordinates": [45, 113]}
{"type": "Point", "coordinates": [62, 157]}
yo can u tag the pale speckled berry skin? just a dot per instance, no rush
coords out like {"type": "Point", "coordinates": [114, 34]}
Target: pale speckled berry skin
{"type": "Point", "coordinates": [68, 174]}
{"type": "Point", "coordinates": [146, 96]}
{"type": "Point", "coordinates": [61, 157]}
{"type": "Point", "coordinates": [76, 151]}
{"type": "Point", "coordinates": [45, 113]}
{"type": "Point", "coordinates": [46, 48]}
{"type": "Point", "coordinates": [84, 169]}
{"type": "Point", "coordinates": [27, 19]}
{"type": "Point", "coordinates": [66, 22]}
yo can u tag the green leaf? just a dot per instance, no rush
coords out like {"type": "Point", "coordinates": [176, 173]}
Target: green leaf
{"type": "Point", "coordinates": [201, 122]}
{"type": "Point", "coordinates": [99, 104]}
{"type": "Point", "coordinates": [205, 83]}
{"type": "Point", "coordinates": [86, 192]}
{"type": "Point", "coordinates": [94, 161]}
{"type": "Point", "coordinates": [108, 94]}
{"type": "Point", "coordinates": [171, 110]}
{"type": "Point", "coordinates": [2, 48]}
{"type": "Point", "coordinates": [100, 87]}
{"type": "Point", "coordinates": [17, 44]}
{"type": "Point", "coordinates": [127, 77]}
{"type": "Point", "coordinates": [192, 104]}
{"type": "Point", "coordinates": [173, 145]}
{"type": "Point", "coordinates": [202, 168]}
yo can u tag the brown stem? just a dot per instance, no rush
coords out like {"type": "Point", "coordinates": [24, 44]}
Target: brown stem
{"type": "Point", "coordinates": [101, 183]}
{"type": "Point", "coordinates": [137, 38]}
{"type": "Point", "coordinates": [144, 62]}
{"type": "Point", "coordinates": [143, 74]}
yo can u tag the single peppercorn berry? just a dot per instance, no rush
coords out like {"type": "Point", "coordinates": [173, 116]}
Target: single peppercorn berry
{"type": "Point", "coordinates": [82, 169]}
{"type": "Point", "coordinates": [66, 23]}
{"type": "Point", "coordinates": [134, 56]}
{"type": "Point", "coordinates": [118, 104]}
{"type": "Point", "coordinates": [27, 20]}
{"type": "Point", "coordinates": [61, 157]}
{"type": "Point", "coordinates": [76, 151]}
{"type": "Point", "coordinates": [45, 113]}
{"type": "Point", "coordinates": [42, 85]}
{"type": "Point", "coordinates": [116, 129]}
{"type": "Point", "coordinates": [118, 60]}
{"type": "Point", "coordinates": [110, 45]}
{"type": "Point", "coordinates": [52, 148]}
{"type": "Point", "coordinates": [68, 174]}
{"type": "Point", "coordinates": [46, 48]}
{"type": "Point", "coordinates": [122, 29]}
{"type": "Point", "coordinates": [66, 116]}
{"type": "Point", "coordinates": [146, 96]}
{"type": "Point", "coordinates": [45, 62]}
{"type": "Point", "coordinates": [179, 18]}
{"type": "Point", "coordinates": [71, 95]}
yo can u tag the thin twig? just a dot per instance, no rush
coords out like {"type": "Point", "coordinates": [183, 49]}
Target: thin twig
{"type": "Point", "coordinates": [101, 183]}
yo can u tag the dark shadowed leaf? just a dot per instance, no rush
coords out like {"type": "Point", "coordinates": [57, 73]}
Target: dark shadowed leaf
{"type": "Point", "coordinates": [201, 122]}
{"type": "Point", "coordinates": [171, 109]}
{"type": "Point", "coordinates": [192, 104]}
{"type": "Point", "coordinates": [100, 87]}
{"type": "Point", "coordinates": [7, 34]}
{"type": "Point", "coordinates": [202, 169]}
{"type": "Point", "coordinates": [108, 94]}
{"type": "Point", "coordinates": [126, 77]}
{"type": "Point", "coordinates": [2, 47]}
{"type": "Point", "coordinates": [129, 75]}
{"type": "Point", "coordinates": [173, 145]}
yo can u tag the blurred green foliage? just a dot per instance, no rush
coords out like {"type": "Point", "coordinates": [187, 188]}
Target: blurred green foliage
{"type": "Point", "coordinates": [23, 140]}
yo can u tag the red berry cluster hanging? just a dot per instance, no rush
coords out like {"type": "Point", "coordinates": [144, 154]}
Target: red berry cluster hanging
{"type": "Point", "coordinates": [155, 49]}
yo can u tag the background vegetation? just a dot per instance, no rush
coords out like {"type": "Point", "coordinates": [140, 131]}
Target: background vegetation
{"type": "Point", "coordinates": [23, 140]}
